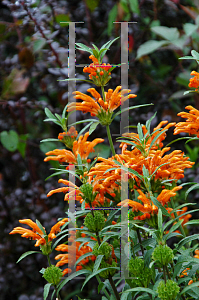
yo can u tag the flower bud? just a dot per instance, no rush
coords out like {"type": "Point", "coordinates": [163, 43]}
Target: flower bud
{"type": "Point", "coordinates": [168, 291]}
{"type": "Point", "coordinates": [53, 275]}
{"type": "Point", "coordinates": [163, 254]}
{"type": "Point", "coordinates": [141, 273]}
{"type": "Point", "coordinates": [95, 223]}
{"type": "Point", "coordinates": [104, 249]}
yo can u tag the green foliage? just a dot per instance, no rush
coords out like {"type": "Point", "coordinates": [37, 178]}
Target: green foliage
{"type": "Point", "coordinates": [12, 141]}
{"type": "Point", "coordinates": [163, 255]}
{"type": "Point", "coordinates": [168, 291]}
{"type": "Point", "coordinates": [142, 275]}
{"type": "Point", "coordinates": [53, 275]}
{"type": "Point", "coordinates": [95, 221]}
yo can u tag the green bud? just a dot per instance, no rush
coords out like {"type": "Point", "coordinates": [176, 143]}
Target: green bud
{"type": "Point", "coordinates": [53, 275]}
{"type": "Point", "coordinates": [104, 249]}
{"type": "Point", "coordinates": [46, 249]}
{"type": "Point", "coordinates": [105, 274]}
{"type": "Point", "coordinates": [96, 223]}
{"type": "Point", "coordinates": [163, 254]}
{"type": "Point", "coordinates": [87, 192]}
{"type": "Point", "coordinates": [141, 273]}
{"type": "Point", "coordinates": [168, 291]}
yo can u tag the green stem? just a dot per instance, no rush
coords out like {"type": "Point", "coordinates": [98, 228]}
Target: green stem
{"type": "Point", "coordinates": [164, 273]}
{"type": "Point", "coordinates": [49, 262]}
{"type": "Point", "coordinates": [140, 241]}
{"type": "Point", "coordinates": [167, 270]}
{"type": "Point", "coordinates": [114, 287]}
{"type": "Point", "coordinates": [110, 140]}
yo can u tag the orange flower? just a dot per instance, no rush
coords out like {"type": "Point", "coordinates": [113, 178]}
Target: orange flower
{"type": "Point", "coordinates": [72, 191]}
{"type": "Point", "coordinates": [191, 125]}
{"type": "Point", "coordinates": [36, 233]}
{"type": "Point", "coordinates": [74, 253]}
{"type": "Point", "coordinates": [99, 73]}
{"type": "Point", "coordinates": [103, 109]}
{"type": "Point", "coordinates": [148, 207]}
{"type": "Point", "coordinates": [81, 147]}
{"type": "Point", "coordinates": [194, 82]}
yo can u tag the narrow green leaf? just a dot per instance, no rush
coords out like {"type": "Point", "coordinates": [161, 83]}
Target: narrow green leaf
{"type": "Point", "coordinates": [82, 257]}
{"type": "Point", "coordinates": [160, 220]}
{"type": "Point", "coordinates": [189, 287]}
{"type": "Point", "coordinates": [129, 108]}
{"type": "Point", "coordinates": [141, 289]}
{"type": "Point", "coordinates": [187, 240]}
{"type": "Point", "coordinates": [49, 114]}
{"type": "Point", "coordinates": [46, 290]}
{"type": "Point", "coordinates": [26, 254]}
{"type": "Point", "coordinates": [79, 161]}
{"type": "Point", "coordinates": [97, 263]}
{"type": "Point", "coordinates": [73, 275]}
{"type": "Point", "coordinates": [76, 79]}
{"type": "Point", "coordinates": [196, 186]}
{"type": "Point", "coordinates": [40, 227]}
{"type": "Point", "coordinates": [195, 54]}
{"type": "Point", "coordinates": [159, 205]}
{"type": "Point", "coordinates": [93, 127]}
{"type": "Point", "coordinates": [148, 122]}
{"type": "Point", "coordinates": [156, 138]}
{"type": "Point", "coordinates": [49, 140]}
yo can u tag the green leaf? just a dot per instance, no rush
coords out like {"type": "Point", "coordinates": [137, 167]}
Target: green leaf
{"type": "Point", "coordinates": [96, 273]}
{"type": "Point", "coordinates": [167, 33]}
{"type": "Point", "coordinates": [50, 140]}
{"type": "Point", "coordinates": [48, 146]}
{"type": "Point", "coordinates": [73, 275]}
{"type": "Point", "coordinates": [76, 79]}
{"type": "Point", "coordinates": [26, 254]}
{"type": "Point", "coordinates": [93, 127]}
{"type": "Point", "coordinates": [187, 240]}
{"type": "Point", "coordinates": [159, 205]}
{"type": "Point", "coordinates": [141, 289]}
{"type": "Point", "coordinates": [9, 140]}
{"type": "Point", "coordinates": [62, 19]}
{"type": "Point", "coordinates": [40, 227]}
{"type": "Point", "coordinates": [100, 150]}
{"type": "Point", "coordinates": [189, 287]}
{"type": "Point", "coordinates": [195, 54]}
{"type": "Point", "coordinates": [134, 6]}
{"type": "Point", "coordinates": [97, 263]}
{"type": "Point", "coordinates": [149, 47]}
{"type": "Point", "coordinates": [46, 290]}
{"type": "Point", "coordinates": [160, 220]}
{"type": "Point", "coordinates": [129, 108]}
{"type": "Point", "coordinates": [111, 18]}
{"type": "Point", "coordinates": [193, 187]}
{"type": "Point", "coordinates": [21, 147]}
{"type": "Point", "coordinates": [156, 138]}
{"type": "Point", "coordinates": [38, 45]}
{"type": "Point", "coordinates": [189, 28]}
{"type": "Point", "coordinates": [83, 47]}
{"type": "Point", "coordinates": [79, 161]}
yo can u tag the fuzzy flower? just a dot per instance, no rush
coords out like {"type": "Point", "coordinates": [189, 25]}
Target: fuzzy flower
{"type": "Point", "coordinates": [73, 254]}
{"type": "Point", "coordinates": [81, 147]}
{"type": "Point", "coordinates": [38, 234]}
{"type": "Point", "coordinates": [98, 73]}
{"type": "Point", "coordinates": [191, 125]}
{"type": "Point", "coordinates": [102, 109]}
{"type": "Point", "coordinates": [194, 82]}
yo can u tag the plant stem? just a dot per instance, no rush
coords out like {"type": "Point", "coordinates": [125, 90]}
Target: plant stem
{"type": "Point", "coordinates": [164, 273]}
{"type": "Point", "coordinates": [114, 287]}
{"type": "Point", "coordinates": [49, 262]}
{"type": "Point", "coordinates": [110, 140]}
{"type": "Point", "coordinates": [140, 241]}
{"type": "Point", "coordinates": [168, 272]}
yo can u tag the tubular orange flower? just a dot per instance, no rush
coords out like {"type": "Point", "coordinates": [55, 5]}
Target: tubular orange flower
{"type": "Point", "coordinates": [99, 73]}
{"type": "Point", "coordinates": [191, 125]}
{"type": "Point", "coordinates": [194, 82]}
{"type": "Point", "coordinates": [72, 191]}
{"type": "Point", "coordinates": [74, 253]}
{"type": "Point", "coordinates": [149, 207]}
{"type": "Point", "coordinates": [81, 147]}
{"type": "Point", "coordinates": [36, 233]}
{"type": "Point", "coordinates": [103, 109]}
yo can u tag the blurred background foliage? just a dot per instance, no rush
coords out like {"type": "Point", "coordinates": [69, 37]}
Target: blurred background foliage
{"type": "Point", "coordinates": [33, 57]}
